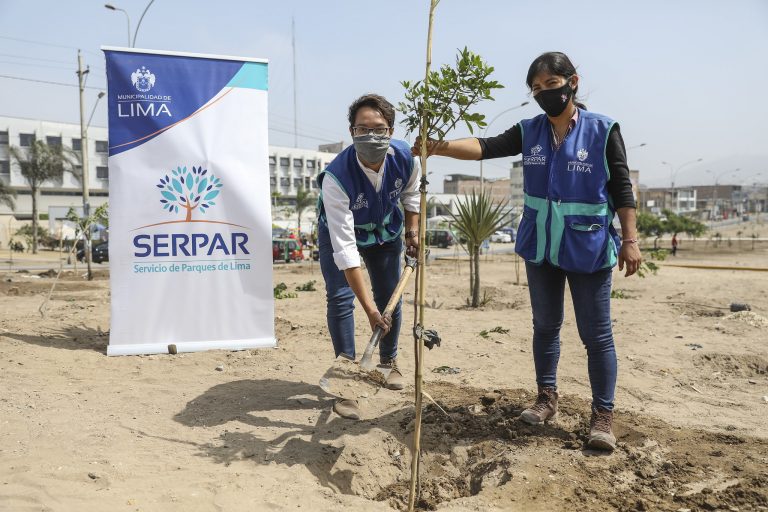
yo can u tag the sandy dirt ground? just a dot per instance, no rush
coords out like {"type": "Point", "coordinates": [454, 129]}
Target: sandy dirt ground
{"type": "Point", "coordinates": [252, 430]}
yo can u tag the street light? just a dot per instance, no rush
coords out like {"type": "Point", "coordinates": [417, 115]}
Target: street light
{"type": "Point", "coordinates": [673, 171]}
{"type": "Point", "coordinates": [128, 18]}
{"type": "Point", "coordinates": [101, 95]}
{"type": "Point", "coordinates": [485, 132]}
{"type": "Point", "coordinates": [136, 33]}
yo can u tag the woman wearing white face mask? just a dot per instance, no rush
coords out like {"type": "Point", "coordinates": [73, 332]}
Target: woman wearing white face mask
{"type": "Point", "coordinates": [359, 217]}
{"type": "Point", "coordinates": [576, 179]}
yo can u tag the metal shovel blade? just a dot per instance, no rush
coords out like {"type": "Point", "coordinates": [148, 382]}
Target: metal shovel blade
{"type": "Point", "coordinates": [346, 379]}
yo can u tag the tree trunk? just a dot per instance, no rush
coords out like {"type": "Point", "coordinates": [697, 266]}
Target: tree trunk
{"type": "Point", "coordinates": [88, 249]}
{"type": "Point", "coordinates": [476, 290]}
{"type": "Point", "coordinates": [471, 269]}
{"type": "Point", "coordinates": [34, 220]}
{"type": "Point", "coordinates": [189, 214]}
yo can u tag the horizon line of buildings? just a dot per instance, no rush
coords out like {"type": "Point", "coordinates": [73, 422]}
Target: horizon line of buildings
{"type": "Point", "coordinates": [293, 168]}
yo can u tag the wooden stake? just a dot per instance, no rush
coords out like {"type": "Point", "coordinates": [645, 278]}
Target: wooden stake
{"type": "Point", "coordinates": [419, 341]}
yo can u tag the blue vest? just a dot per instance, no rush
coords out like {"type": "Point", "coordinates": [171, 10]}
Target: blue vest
{"type": "Point", "coordinates": [378, 219]}
{"type": "Point", "coordinates": [568, 213]}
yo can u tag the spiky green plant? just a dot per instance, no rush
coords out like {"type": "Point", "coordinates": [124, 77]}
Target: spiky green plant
{"type": "Point", "coordinates": [477, 218]}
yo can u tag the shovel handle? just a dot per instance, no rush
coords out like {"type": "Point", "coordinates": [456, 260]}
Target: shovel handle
{"type": "Point", "coordinates": [365, 362]}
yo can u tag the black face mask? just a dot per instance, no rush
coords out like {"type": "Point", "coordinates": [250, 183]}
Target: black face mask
{"type": "Point", "coordinates": [554, 101]}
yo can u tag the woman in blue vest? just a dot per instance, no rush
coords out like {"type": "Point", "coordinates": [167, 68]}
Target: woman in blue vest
{"type": "Point", "coordinates": [359, 216]}
{"type": "Point", "coordinates": [575, 178]}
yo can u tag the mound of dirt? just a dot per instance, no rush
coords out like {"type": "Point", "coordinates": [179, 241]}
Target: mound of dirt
{"type": "Point", "coordinates": [749, 318]}
{"type": "Point", "coordinates": [480, 448]}
{"type": "Point", "coordinates": [733, 365]}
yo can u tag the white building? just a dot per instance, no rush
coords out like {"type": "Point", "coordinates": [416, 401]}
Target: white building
{"type": "Point", "coordinates": [289, 168]}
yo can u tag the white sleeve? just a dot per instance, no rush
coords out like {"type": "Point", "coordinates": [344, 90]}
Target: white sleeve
{"type": "Point", "coordinates": [341, 225]}
{"type": "Point", "coordinates": [410, 196]}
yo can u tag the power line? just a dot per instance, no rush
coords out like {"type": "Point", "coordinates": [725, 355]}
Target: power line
{"type": "Point", "coordinates": [33, 65]}
{"type": "Point", "coordinates": [291, 132]}
{"type": "Point", "coordinates": [280, 125]}
{"type": "Point", "coordinates": [49, 82]}
{"type": "Point", "coordinates": [33, 58]}
{"type": "Point", "coordinates": [42, 43]}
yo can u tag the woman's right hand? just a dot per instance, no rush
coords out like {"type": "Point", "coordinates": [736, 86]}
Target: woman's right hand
{"type": "Point", "coordinates": [378, 321]}
{"type": "Point", "coordinates": [433, 147]}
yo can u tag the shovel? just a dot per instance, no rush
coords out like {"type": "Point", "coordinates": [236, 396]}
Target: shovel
{"type": "Point", "coordinates": [351, 380]}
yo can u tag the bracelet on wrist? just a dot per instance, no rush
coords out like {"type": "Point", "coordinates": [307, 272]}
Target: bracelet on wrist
{"type": "Point", "coordinates": [629, 240]}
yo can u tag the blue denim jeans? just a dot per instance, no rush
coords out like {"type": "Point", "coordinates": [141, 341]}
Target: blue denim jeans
{"type": "Point", "coordinates": [384, 264]}
{"type": "Point", "coordinates": [591, 294]}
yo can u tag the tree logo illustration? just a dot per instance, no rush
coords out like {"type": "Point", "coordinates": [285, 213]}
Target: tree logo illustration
{"type": "Point", "coordinates": [189, 190]}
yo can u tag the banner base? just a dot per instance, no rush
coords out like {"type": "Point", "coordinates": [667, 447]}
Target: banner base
{"type": "Point", "coordinates": [189, 346]}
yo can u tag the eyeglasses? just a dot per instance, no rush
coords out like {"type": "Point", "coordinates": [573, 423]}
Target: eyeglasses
{"type": "Point", "coordinates": [359, 131]}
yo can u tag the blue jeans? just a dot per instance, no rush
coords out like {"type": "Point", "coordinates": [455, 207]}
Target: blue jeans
{"type": "Point", "coordinates": [384, 265]}
{"type": "Point", "coordinates": [591, 294]}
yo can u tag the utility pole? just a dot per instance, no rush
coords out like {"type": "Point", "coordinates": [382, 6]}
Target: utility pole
{"type": "Point", "coordinates": [295, 124]}
{"type": "Point", "coordinates": [84, 161]}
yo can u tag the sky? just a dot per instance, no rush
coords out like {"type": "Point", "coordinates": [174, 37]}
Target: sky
{"type": "Point", "coordinates": [686, 78]}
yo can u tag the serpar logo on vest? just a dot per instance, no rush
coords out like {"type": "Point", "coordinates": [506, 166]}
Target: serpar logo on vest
{"type": "Point", "coordinates": [360, 203]}
{"type": "Point", "coordinates": [535, 158]}
{"type": "Point", "coordinates": [183, 192]}
{"type": "Point", "coordinates": [143, 104]}
{"type": "Point", "coordinates": [580, 166]}
{"type": "Point", "coordinates": [398, 188]}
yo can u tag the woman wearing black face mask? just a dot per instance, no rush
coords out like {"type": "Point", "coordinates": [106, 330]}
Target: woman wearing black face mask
{"type": "Point", "coordinates": [576, 179]}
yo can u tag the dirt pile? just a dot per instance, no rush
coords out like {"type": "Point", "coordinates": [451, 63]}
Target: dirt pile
{"type": "Point", "coordinates": [480, 448]}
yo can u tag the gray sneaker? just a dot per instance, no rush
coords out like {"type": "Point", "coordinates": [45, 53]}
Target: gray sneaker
{"type": "Point", "coordinates": [395, 380]}
{"type": "Point", "coordinates": [545, 408]}
{"type": "Point", "coordinates": [345, 408]}
{"type": "Point", "coordinates": [600, 430]}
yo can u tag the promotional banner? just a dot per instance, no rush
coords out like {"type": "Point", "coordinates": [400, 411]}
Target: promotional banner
{"type": "Point", "coordinates": [190, 243]}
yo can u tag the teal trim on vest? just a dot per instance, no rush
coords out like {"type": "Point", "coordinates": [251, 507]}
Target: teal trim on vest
{"type": "Point", "coordinates": [568, 212]}
{"type": "Point", "coordinates": [541, 207]}
{"type": "Point", "coordinates": [378, 219]}
{"type": "Point", "coordinates": [558, 224]}
{"type": "Point", "coordinates": [605, 155]}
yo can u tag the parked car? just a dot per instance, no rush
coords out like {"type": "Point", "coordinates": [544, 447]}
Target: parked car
{"type": "Point", "coordinates": [501, 237]}
{"type": "Point", "coordinates": [510, 231]}
{"type": "Point", "coordinates": [440, 237]}
{"type": "Point", "coordinates": [99, 253]}
{"type": "Point", "coordinates": [285, 249]}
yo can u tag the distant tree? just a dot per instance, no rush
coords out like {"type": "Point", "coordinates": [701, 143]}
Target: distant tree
{"type": "Point", "coordinates": [39, 163]}
{"type": "Point", "coordinates": [83, 226]}
{"type": "Point", "coordinates": [304, 199]}
{"type": "Point", "coordinates": [7, 195]}
{"type": "Point", "coordinates": [189, 190]}
{"type": "Point", "coordinates": [650, 225]}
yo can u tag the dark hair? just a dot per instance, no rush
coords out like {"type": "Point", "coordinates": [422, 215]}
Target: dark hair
{"type": "Point", "coordinates": [554, 63]}
{"type": "Point", "coordinates": [375, 102]}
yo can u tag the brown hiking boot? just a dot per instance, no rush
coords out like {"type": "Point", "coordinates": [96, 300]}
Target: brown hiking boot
{"type": "Point", "coordinates": [600, 434]}
{"type": "Point", "coordinates": [347, 409]}
{"type": "Point", "coordinates": [545, 408]}
{"type": "Point", "coordinates": [395, 378]}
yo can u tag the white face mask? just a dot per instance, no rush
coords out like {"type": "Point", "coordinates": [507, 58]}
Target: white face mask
{"type": "Point", "coordinates": [370, 148]}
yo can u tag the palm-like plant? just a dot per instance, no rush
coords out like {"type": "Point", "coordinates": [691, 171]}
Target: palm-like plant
{"type": "Point", "coordinates": [7, 195]}
{"type": "Point", "coordinates": [477, 218]}
{"type": "Point", "coordinates": [304, 199]}
{"type": "Point", "coordinates": [38, 164]}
